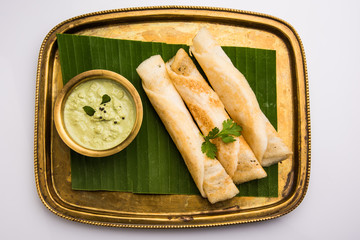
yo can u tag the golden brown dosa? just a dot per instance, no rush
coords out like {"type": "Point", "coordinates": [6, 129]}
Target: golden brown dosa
{"type": "Point", "coordinates": [210, 177]}
{"type": "Point", "coordinates": [239, 99]}
{"type": "Point", "coordinates": [208, 111]}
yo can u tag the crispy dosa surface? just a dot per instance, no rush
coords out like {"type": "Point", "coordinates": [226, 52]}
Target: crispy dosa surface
{"type": "Point", "coordinates": [209, 112]}
{"type": "Point", "coordinates": [209, 176]}
{"type": "Point", "coordinates": [239, 99]}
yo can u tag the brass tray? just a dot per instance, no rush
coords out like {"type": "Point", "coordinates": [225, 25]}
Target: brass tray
{"type": "Point", "coordinates": [174, 24]}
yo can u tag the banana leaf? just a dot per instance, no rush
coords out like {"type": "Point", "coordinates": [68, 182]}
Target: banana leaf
{"type": "Point", "coordinates": [151, 164]}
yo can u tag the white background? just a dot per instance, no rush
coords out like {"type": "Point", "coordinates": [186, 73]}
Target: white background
{"type": "Point", "coordinates": [330, 31]}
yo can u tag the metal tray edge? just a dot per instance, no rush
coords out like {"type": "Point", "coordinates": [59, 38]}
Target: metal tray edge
{"type": "Point", "coordinates": [294, 204]}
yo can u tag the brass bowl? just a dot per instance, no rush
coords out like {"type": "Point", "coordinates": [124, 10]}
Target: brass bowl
{"type": "Point", "coordinates": [72, 84]}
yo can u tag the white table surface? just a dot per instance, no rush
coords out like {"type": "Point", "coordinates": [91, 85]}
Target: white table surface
{"type": "Point", "coordinates": [330, 31]}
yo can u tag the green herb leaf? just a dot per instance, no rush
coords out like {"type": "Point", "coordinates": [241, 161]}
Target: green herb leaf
{"type": "Point", "coordinates": [105, 98]}
{"type": "Point", "coordinates": [89, 110]}
{"type": "Point", "coordinates": [209, 149]}
{"type": "Point", "coordinates": [230, 129]}
{"type": "Point", "coordinates": [228, 139]}
{"type": "Point", "coordinates": [212, 134]}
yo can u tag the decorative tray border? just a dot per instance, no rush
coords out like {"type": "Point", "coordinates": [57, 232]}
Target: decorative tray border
{"type": "Point", "coordinates": [224, 216]}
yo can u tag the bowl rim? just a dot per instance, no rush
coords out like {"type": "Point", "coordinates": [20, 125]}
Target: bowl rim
{"type": "Point", "coordinates": [72, 84]}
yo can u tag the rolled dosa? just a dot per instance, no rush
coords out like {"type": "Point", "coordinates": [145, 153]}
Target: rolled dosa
{"type": "Point", "coordinates": [209, 176]}
{"type": "Point", "coordinates": [239, 99]}
{"type": "Point", "coordinates": [208, 111]}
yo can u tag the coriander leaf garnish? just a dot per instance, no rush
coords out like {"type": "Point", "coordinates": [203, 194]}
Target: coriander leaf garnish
{"type": "Point", "coordinates": [228, 139]}
{"type": "Point", "coordinates": [230, 129]}
{"type": "Point", "coordinates": [212, 133]}
{"type": "Point", "coordinates": [105, 98]}
{"type": "Point", "coordinates": [209, 148]}
{"type": "Point", "coordinates": [89, 110]}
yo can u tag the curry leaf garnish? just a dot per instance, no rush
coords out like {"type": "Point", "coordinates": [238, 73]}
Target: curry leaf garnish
{"type": "Point", "coordinates": [89, 110]}
{"type": "Point", "coordinates": [105, 98]}
{"type": "Point", "coordinates": [230, 129]}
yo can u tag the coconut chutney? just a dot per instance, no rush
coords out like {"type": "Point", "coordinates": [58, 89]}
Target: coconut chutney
{"type": "Point", "coordinates": [108, 123]}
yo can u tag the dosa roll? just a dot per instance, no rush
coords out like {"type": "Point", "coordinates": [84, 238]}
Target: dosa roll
{"type": "Point", "coordinates": [209, 176]}
{"type": "Point", "coordinates": [239, 100]}
{"type": "Point", "coordinates": [208, 111]}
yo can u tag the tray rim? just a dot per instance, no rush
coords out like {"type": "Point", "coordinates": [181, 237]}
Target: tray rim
{"type": "Point", "coordinates": [180, 224]}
